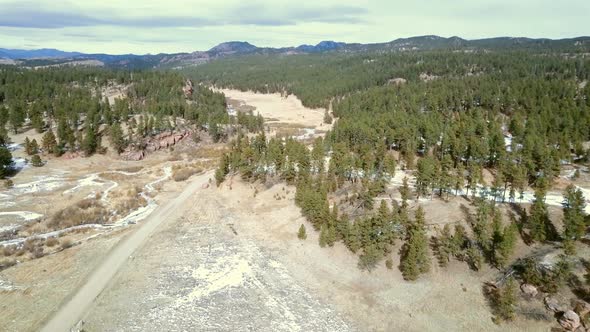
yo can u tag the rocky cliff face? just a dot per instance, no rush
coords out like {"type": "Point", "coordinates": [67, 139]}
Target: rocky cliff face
{"type": "Point", "coordinates": [158, 142]}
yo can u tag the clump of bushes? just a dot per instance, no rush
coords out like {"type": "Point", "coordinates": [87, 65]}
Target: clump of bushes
{"type": "Point", "coordinates": [184, 173]}
{"type": "Point", "coordinates": [86, 211]}
{"type": "Point", "coordinates": [66, 243]}
{"type": "Point", "coordinates": [51, 242]}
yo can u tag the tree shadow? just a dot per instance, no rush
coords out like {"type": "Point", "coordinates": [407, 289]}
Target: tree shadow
{"type": "Point", "coordinates": [435, 246]}
{"type": "Point", "coordinates": [468, 216]}
{"type": "Point", "coordinates": [518, 216]}
{"type": "Point", "coordinates": [576, 285]}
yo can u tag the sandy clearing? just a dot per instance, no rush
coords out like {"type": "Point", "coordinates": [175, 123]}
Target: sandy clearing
{"type": "Point", "coordinates": [278, 109]}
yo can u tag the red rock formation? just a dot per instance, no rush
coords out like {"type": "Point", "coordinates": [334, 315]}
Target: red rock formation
{"type": "Point", "coordinates": [160, 141]}
{"type": "Point", "coordinates": [188, 89]}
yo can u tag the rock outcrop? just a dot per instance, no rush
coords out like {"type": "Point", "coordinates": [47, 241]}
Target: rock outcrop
{"type": "Point", "coordinates": [553, 305]}
{"type": "Point", "coordinates": [582, 308]}
{"type": "Point", "coordinates": [158, 142]}
{"type": "Point", "coordinates": [529, 290]}
{"type": "Point", "coordinates": [133, 155]}
{"type": "Point", "coordinates": [188, 89]}
{"type": "Point", "coordinates": [569, 320]}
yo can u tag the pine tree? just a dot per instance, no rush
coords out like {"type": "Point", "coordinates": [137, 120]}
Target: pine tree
{"type": "Point", "coordinates": [17, 117]}
{"type": "Point", "coordinates": [445, 246]}
{"type": "Point", "coordinates": [116, 137]}
{"type": "Point", "coordinates": [389, 165]}
{"type": "Point", "coordinates": [459, 240]}
{"type": "Point", "coordinates": [327, 117]}
{"type": "Point", "coordinates": [415, 260]}
{"type": "Point", "coordinates": [483, 227]}
{"type": "Point", "coordinates": [474, 257]}
{"type": "Point", "coordinates": [459, 178]}
{"type": "Point", "coordinates": [506, 247]}
{"type": "Point", "coordinates": [405, 192]}
{"type": "Point", "coordinates": [34, 147]}
{"type": "Point", "coordinates": [222, 170]}
{"type": "Point", "coordinates": [28, 149]}
{"type": "Point", "coordinates": [504, 300]}
{"type": "Point", "coordinates": [90, 141]}
{"type": "Point", "coordinates": [573, 216]}
{"type": "Point", "coordinates": [538, 220]}
{"type": "Point", "coordinates": [36, 161]}
{"type": "Point", "coordinates": [369, 258]}
{"type": "Point", "coordinates": [5, 161]}
{"type": "Point", "coordinates": [302, 234]}
{"type": "Point", "coordinates": [49, 142]}
{"type": "Point", "coordinates": [353, 241]}
{"type": "Point", "coordinates": [323, 235]}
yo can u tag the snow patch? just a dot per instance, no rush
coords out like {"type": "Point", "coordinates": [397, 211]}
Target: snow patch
{"type": "Point", "coordinates": [88, 181]}
{"type": "Point", "coordinates": [26, 215]}
{"type": "Point", "coordinates": [45, 183]}
{"type": "Point", "coordinates": [19, 163]}
{"type": "Point", "coordinates": [13, 147]}
{"type": "Point", "coordinates": [308, 133]}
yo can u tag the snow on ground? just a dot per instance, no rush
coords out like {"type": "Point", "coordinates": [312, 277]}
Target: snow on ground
{"type": "Point", "coordinates": [87, 181]}
{"type": "Point", "coordinates": [13, 147]}
{"type": "Point", "coordinates": [26, 215]}
{"type": "Point", "coordinates": [308, 133]}
{"type": "Point", "coordinates": [132, 218]}
{"type": "Point", "coordinates": [552, 198]}
{"type": "Point", "coordinates": [19, 163]}
{"type": "Point", "coordinates": [43, 184]}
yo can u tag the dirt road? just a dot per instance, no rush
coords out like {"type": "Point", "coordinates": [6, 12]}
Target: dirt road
{"type": "Point", "coordinates": [70, 313]}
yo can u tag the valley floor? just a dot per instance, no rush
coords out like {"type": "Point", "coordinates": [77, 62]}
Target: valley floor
{"type": "Point", "coordinates": [228, 258]}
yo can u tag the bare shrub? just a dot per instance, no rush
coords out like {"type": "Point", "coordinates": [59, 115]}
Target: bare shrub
{"type": "Point", "coordinates": [8, 250]}
{"type": "Point", "coordinates": [86, 211]}
{"type": "Point", "coordinates": [6, 263]}
{"type": "Point", "coordinates": [30, 245]}
{"type": "Point", "coordinates": [185, 173]}
{"type": "Point", "coordinates": [38, 252]}
{"type": "Point", "coordinates": [51, 242]}
{"type": "Point", "coordinates": [66, 243]}
{"type": "Point", "coordinates": [131, 169]}
{"type": "Point", "coordinates": [175, 157]}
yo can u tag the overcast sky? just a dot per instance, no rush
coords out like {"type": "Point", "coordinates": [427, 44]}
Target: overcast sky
{"type": "Point", "coordinates": [147, 26]}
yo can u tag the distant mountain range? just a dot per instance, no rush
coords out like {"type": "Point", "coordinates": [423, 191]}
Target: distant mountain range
{"type": "Point", "coordinates": [44, 57]}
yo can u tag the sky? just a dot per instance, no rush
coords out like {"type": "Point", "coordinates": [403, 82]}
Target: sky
{"type": "Point", "coordinates": [147, 26]}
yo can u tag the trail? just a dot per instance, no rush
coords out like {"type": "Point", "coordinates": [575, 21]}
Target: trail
{"type": "Point", "coordinates": [73, 310]}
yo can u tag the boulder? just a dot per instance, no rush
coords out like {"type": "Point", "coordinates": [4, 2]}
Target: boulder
{"type": "Point", "coordinates": [569, 320]}
{"type": "Point", "coordinates": [397, 81]}
{"type": "Point", "coordinates": [133, 155]}
{"type": "Point", "coordinates": [582, 308]}
{"type": "Point", "coordinates": [553, 305]}
{"type": "Point", "coordinates": [529, 290]}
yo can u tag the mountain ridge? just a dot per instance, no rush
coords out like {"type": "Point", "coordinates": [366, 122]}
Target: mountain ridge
{"type": "Point", "coordinates": [239, 48]}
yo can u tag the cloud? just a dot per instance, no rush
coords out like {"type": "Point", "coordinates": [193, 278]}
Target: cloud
{"type": "Point", "coordinates": [22, 15]}
{"type": "Point", "coordinates": [154, 26]}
